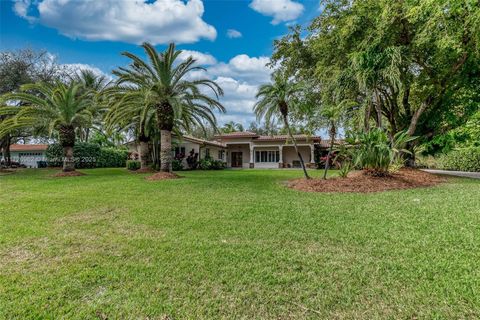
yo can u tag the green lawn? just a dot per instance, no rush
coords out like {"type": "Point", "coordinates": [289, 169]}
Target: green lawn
{"type": "Point", "coordinates": [234, 244]}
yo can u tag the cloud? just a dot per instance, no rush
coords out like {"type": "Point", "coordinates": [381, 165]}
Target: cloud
{"type": "Point", "coordinates": [249, 69]}
{"type": "Point", "coordinates": [76, 68]}
{"type": "Point", "coordinates": [239, 78]}
{"type": "Point", "coordinates": [232, 33]}
{"type": "Point", "coordinates": [158, 22]}
{"type": "Point", "coordinates": [280, 10]}
{"type": "Point", "coordinates": [201, 58]}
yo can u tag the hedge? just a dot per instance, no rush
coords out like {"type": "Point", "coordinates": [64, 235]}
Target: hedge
{"type": "Point", "coordinates": [465, 159]}
{"type": "Point", "coordinates": [88, 155]}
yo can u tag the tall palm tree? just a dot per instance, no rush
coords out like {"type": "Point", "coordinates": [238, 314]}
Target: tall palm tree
{"type": "Point", "coordinates": [58, 107]}
{"type": "Point", "coordinates": [331, 116]}
{"type": "Point", "coordinates": [277, 100]}
{"type": "Point", "coordinates": [94, 85]}
{"type": "Point", "coordinates": [164, 82]}
{"type": "Point", "coordinates": [129, 110]}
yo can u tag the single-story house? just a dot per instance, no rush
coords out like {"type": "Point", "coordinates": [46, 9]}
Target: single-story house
{"type": "Point", "coordinates": [184, 146]}
{"type": "Point", "coordinates": [250, 150]}
{"type": "Point", "coordinates": [28, 154]}
{"type": "Point", "coordinates": [247, 149]}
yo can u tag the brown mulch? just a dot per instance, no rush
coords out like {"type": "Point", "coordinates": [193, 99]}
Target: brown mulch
{"type": "Point", "coordinates": [162, 176]}
{"type": "Point", "coordinates": [144, 170]}
{"type": "Point", "coordinates": [364, 183]}
{"type": "Point", "coordinates": [68, 174]}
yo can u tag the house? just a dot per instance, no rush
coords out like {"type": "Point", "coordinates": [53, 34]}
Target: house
{"type": "Point", "coordinates": [186, 145]}
{"type": "Point", "coordinates": [247, 149]}
{"type": "Point", "coordinates": [28, 154]}
{"type": "Point", "coordinates": [250, 150]}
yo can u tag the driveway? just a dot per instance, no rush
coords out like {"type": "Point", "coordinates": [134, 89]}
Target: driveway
{"type": "Point", "coordinates": [473, 175]}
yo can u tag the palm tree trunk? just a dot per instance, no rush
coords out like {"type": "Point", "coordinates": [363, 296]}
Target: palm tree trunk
{"type": "Point", "coordinates": [285, 121]}
{"type": "Point", "coordinates": [165, 150]}
{"type": "Point", "coordinates": [67, 141]}
{"type": "Point", "coordinates": [68, 160]}
{"type": "Point", "coordinates": [333, 132]}
{"type": "Point", "coordinates": [143, 154]}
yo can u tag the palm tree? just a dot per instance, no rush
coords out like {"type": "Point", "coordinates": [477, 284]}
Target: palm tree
{"type": "Point", "coordinates": [177, 101]}
{"type": "Point", "coordinates": [276, 101]}
{"type": "Point", "coordinates": [58, 107]}
{"type": "Point", "coordinates": [93, 85]}
{"type": "Point", "coordinates": [130, 111]}
{"type": "Point", "coordinates": [232, 126]}
{"type": "Point", "coordinates": [332, 117]}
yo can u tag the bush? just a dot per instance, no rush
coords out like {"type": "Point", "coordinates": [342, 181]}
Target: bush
{"type": "Point", "coordinates": [210, 164]}
{"type": "Point", "coordinates": [465, 159]}
{"type": "Point", "coordinates": [133, 165]}
{"type": "Point", "coordinates": [88, 155]}
{"type": "Point", "coordinates": [177, 165]}
{"type": "Point", "coordinates": [374, 152]}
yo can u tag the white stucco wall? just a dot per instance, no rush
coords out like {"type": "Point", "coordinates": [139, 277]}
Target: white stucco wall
{"type": "Point", "coordinates": [289, 154]}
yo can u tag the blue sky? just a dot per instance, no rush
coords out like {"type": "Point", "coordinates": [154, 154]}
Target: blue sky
{"type": "Point", "coordinates": [232, 38]}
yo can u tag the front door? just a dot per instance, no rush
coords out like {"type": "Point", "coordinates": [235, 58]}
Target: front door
{"type": "Point", "coordinates": [236, 159]}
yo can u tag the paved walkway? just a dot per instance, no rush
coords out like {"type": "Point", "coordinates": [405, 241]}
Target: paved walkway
{"type": "Point", "coordinates": [473, 175]}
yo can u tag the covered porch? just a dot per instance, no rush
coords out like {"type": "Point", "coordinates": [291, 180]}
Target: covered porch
{"type": "Point", "coordinates": [249, 155]}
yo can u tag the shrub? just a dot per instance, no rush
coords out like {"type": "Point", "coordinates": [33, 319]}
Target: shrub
{"type": "Point", "coordinates": [210, 164]}
{"type": "Point", "coordinates": [88, 155]}
{"type": "Point", "coordinates": [177, 165]}
{"type": "Point", "coordinates": [374, 152]}
{"type": "Point", "coordinates": [133, 165]}
{"type": "Point", "coordinates": [465, 159]}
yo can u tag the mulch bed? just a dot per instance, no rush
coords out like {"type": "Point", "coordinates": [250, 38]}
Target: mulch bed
{"type": "Point", "coordinates": [162, 176]}
{"type": "Point", "coordinates": [68, 174]}
{"type": "Point", "coordinates": [144, 170]}
{"type": "Point", "coordinates": [364, 183]}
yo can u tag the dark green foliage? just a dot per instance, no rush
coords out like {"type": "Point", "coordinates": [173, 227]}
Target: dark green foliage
{"type": "Point", "coordinates": [177, 165]}
{"type": "Point", "coordinates": [133, 165]}
{"type": "Point", "coordinates": [465, 159]}
{"type": "Point", "coordinates": [210, 164]}
{"type": "Point", "coordinates": [88, 155]}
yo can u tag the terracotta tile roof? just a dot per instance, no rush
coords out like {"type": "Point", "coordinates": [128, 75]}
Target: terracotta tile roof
{"type": "Point", "coordinates": [28, 147]}
{"type": "Point", "coordinates": [286, 137]}
{"type": "Point", "coordinates": [202, 141]}
{"type": "Point", "coordinates": [239, 134]}
{"type": "Point", "coordinates": [326, 143]}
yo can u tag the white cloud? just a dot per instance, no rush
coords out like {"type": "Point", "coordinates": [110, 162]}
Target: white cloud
{"type": "Point", "coordinates": [76, 68]}
{"type": "Point", "coordinates": [280, 10]}
{"type": "Point", "coordinates": [250, 69]}
{"type": "Point", "coordinates": [160, 21]}
{"type": "Point", "coordinates": [201, 58]}
{"type": "Point", "coordinates": [232, 33]}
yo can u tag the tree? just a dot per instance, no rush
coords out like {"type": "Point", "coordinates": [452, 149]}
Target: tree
{"type": "Point", "coordinates": [232, 126]}
{"type": "Point", "coordinates": [18, 68]}
{"type": "Point", "coordinates": [331, 116]}
{"type": "Point", "coordinates": [399, 61]}
{"type": "Point", "coordinates": [94, 85]}
{"type": "Point", "coordinates": [129, 110]}
{"type": "Point", "coordinates": [276, 100]}
{"type": "Point", "coordinates": [58, 107]}
{"type": "Point", "coordinates": [177, 101]}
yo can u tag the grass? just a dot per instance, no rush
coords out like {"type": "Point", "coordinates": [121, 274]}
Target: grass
{"type": "Point", "coordinates": [234, 244]}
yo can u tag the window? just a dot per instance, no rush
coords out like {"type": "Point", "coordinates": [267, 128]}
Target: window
{"type": "Point", "coordinates": [221, 154]}
{"type": "Point", "coordinates": [207, 153]}
{"type": "Point", "coordinates": [179, 151]}
{"type": "Point", "coordinates": [267, 156]}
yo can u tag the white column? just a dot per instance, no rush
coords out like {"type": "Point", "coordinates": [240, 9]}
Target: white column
{"type": "Point", "coordinates": [280, 150]}
{"type": "Point", "coordinates": [252, 156]}
{"type": "Point", "coordinates": [312, 153]}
